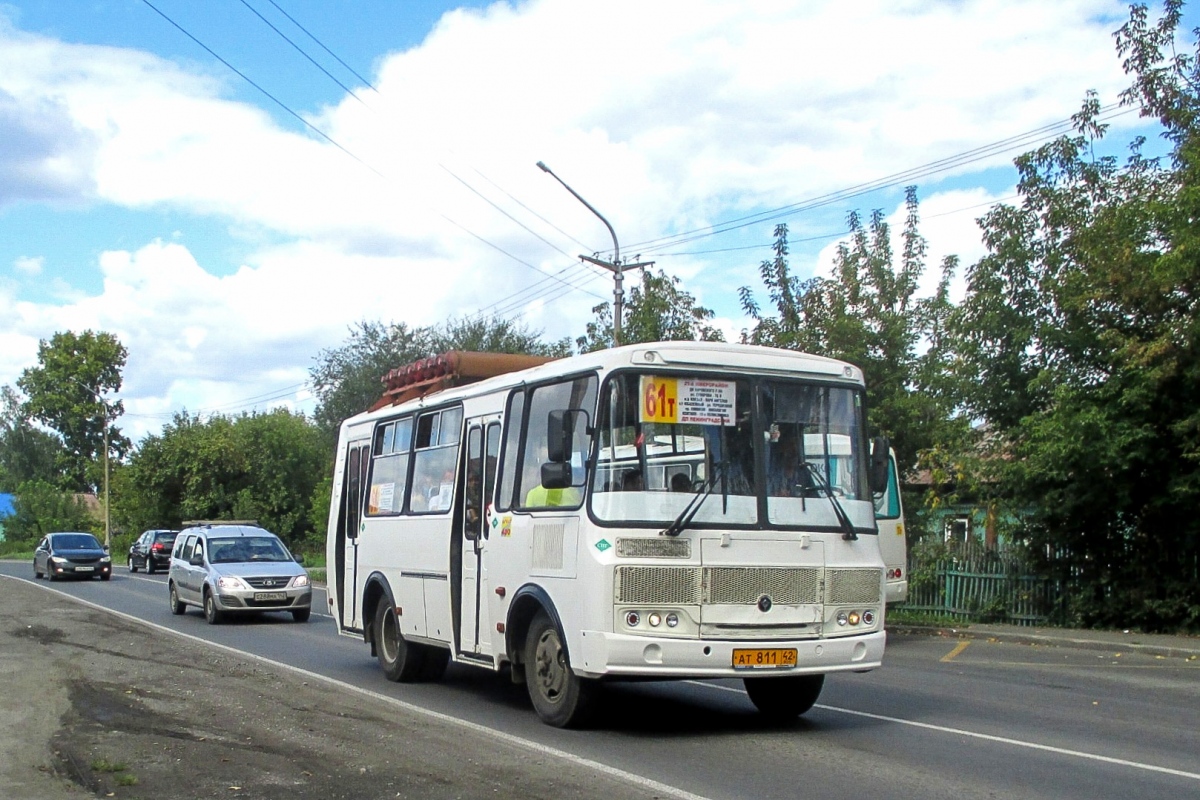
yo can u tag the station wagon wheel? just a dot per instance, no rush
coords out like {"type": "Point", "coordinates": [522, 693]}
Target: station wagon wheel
{"type": "Point", "coordinates": [211, 612]}
{"type": "Point", "coordinates": [399, 659]}
{"type": "Point", "coordinates": [132, 566]}
{"type": "Point", "coordinates": [173, 596]}
{"type": "Point", "coordinates": [560, 697]}
{"type": "Point", "coordinates": [785, 698]}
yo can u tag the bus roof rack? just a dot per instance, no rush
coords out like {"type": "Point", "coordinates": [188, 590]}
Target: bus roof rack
{"type": "Point", "coordinates": [447, 370]}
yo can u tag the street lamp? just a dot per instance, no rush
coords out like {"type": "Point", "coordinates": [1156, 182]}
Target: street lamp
{"type": "Point", "coordinates": [104, 412]}
{"type": "Point", "coordinates": [614, 266]}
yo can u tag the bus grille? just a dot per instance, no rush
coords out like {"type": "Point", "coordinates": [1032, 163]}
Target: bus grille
{"type": "Point", "coordinates": [745, 585]}
{"type": "Point", "coordinates": [674, 585]}
{"type": "Point", "coordinates": [859, 586]}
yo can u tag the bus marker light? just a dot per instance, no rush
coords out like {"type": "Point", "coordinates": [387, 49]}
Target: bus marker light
{"type": "Point", "coordinates": [501, 591]}
{"type": "Point", "coordinates": [499, 627]}
{"type": "Point", "coordinates": [854, 617]}
{"type": "Point", "coordinates": [868, 618]}
{"type": "Point", "coordinates": [632, 619]}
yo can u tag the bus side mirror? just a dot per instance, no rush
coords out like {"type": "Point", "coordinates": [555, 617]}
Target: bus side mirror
{"type": "Point", "coordinates": [559, 432]}
{"type": "Point", "coordinates": [879, 464]}
{"type": "Point", "coordinates": [556, 474]}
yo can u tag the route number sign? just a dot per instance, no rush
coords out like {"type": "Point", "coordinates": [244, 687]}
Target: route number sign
{"type": "Point", "coordinates": [695, 401]}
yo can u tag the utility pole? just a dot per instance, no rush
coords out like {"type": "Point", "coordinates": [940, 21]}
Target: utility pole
{"type": "Point", "coordinates": [104, 416]}
{"type": "Point", "coordinates": [615, 266]}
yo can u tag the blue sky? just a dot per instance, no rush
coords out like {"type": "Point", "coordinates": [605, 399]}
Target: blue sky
{"type": "Point", "coordinates": [226, 237]}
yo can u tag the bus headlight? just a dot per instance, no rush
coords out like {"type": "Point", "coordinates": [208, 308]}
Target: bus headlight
{"type": "Point", "coordinates": [842, 618]}
{"type": "Point", "coordinates": [672, 619]}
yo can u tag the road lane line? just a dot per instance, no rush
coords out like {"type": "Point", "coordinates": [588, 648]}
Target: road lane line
{"type": "Point", "coordinates": [1121, 762]}
{"type": "Point", "coordinates": [958, 648]}
{"type": "Point", "coordinates": [503, 737]}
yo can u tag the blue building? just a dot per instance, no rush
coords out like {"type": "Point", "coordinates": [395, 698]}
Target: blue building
{"type": "Point", "coordinates": [6, 508]}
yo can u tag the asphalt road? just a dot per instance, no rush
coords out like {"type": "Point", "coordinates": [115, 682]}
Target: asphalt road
{"type": "Point", "coordinates": [943, 718]}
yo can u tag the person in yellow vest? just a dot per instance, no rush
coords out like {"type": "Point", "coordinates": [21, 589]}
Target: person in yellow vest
{"type": "Point", "coordinates": [540, 497]}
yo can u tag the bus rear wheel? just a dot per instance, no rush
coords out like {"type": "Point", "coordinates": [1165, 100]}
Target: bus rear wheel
{"type": "Point", "coordinates": [560, 697]}
{"type": "Point", "coordinates": [400, 660]}
{"type": "Point", "coordinates": [782, 699]}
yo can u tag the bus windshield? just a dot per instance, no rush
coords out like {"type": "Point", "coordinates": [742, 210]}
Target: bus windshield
{"type": "Point", "coordinates": [771, 452]}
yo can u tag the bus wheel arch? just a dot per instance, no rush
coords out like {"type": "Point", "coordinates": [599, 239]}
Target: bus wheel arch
{"type": "Point", "coordinates": [528, 601]}
{"type": "Point", "coordinates": [375, 592]}
{"type": "Point", "coordinates": [538, 649]}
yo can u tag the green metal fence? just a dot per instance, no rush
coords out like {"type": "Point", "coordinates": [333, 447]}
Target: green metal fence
{"type": "Point", "coordinates": [986, 588]}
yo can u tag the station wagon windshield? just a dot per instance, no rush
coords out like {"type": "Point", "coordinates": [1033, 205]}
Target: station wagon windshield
{"type": "Point", "coordinates": [769, 452]}
{"type": "Point", "coordinates": [246, 549]}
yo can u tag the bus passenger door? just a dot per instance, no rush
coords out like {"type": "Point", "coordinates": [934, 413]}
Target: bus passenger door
{"type": "Point", "coordinates": [349, 519]}
{"type": "Point", "coordinates": [483, 448]}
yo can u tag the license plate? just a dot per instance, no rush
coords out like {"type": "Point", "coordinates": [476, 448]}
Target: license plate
{"type": "Point", "coordinates": [771, 658]}
{"type": "Point", "coordinates": [84, 569]}
{"type": "Point", "coordinates": [269, 596]}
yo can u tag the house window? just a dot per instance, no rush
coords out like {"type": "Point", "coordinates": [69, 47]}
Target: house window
{"type": "Point", "coordinates": [958, 529]}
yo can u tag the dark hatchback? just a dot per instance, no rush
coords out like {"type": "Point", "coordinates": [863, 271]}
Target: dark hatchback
{"type": "Point", "coordinates": [152, 551]}
{"type": "Point", "coordinates": [76, 555]}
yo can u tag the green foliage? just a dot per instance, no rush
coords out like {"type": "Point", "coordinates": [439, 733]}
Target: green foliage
{"type": "Point", "coordinates": [868, 313]}
{"type": "Point", "coordinates": [657, 310]}
{"type": "Point", "coordinates": [26, 452]}
{"type": "Point", "coordinates": [348, 379]}
{"type": "Point", "coordinates": [1079, 344]}
{"type": "Point", "coordinates": [64, 392]}
{"type": "Point", "coordinates": [40, 508]}
{"type": "Point", "coordinates": [256, 466]}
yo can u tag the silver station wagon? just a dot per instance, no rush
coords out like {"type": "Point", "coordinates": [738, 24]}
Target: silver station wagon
{"type": "Point", "coordinates": [236, 568]}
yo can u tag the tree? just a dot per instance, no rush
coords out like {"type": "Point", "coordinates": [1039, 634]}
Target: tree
{"type": "Point", "coordinates": [658, 310]}
{"type": "Point", "coordinates": [1079, 344]}
{"type": "Point", "coordinates": [40, 508]}
{"type": "Point", "coordinates": [26, 453]}
{"type": "Point", "coordinates": [255, 466]}
{"type": "Point", "coordinates": [868, 313]}
{"type": "Point", "coordinates": [65, 393]}
{"type": "Point", "coordinates": [348, 379]}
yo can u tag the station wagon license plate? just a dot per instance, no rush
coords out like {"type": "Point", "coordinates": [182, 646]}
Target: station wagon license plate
{"type": "Point", "coordinates": [267, 597]}
{"type": "Point", "coordinates": [769, 658]}
{"type": "Point", "coordinates": [84, 569]}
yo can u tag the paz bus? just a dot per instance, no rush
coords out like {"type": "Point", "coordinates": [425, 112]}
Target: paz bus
{"type": "Point", "coordinates": [655, 511]}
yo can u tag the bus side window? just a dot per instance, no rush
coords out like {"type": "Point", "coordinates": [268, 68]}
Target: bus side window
{"type": "Point", "coordinates": [514, 420]}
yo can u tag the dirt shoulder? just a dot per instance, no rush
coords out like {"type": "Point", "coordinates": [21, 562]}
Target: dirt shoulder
{"type": "Point", "coordinates": [92, 704]}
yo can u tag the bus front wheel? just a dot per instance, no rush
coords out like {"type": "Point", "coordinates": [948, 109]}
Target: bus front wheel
{"type": "Point", "coordinates": [785, 698]}
{"type": "Point", "coordinates": [560, 697]}
{"type": "Point", "coordinates": [400, 660]}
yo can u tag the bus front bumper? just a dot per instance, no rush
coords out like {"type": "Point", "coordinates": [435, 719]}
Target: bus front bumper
{"type": "Point", "coordinates": [604, 654]}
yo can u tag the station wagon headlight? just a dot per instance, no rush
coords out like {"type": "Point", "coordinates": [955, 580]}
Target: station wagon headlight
{"type": "Point", "coordinates": [231, 582]}
{"type": "Point", "coordinates": [300, 581]}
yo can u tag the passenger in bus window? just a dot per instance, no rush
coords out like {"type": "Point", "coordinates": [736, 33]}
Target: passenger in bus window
{"type": "Point", "coordinates": [631, 481]}
{"type": "Point", "coordinates": [680, 482]}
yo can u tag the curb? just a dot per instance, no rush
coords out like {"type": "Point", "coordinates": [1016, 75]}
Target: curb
{"type": "Point", "coordinates": [1068, 638]}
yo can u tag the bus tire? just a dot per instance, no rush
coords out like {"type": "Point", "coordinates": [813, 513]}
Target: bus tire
{"type": "Point", "coordinates": [400, 660]}
{"type": "Point", "coordinates": [560, 697]}
{"type": "Point", "coordinates": [782, 699]}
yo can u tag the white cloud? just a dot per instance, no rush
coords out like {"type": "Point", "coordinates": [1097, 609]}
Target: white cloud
{"type": "Point", "coordinates": [666, 116]}
{"type": "Point", "coordinates": [29, 266]}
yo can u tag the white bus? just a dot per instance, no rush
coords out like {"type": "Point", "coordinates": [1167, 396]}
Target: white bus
{"type": "Point", "coordinates": [533, 522]}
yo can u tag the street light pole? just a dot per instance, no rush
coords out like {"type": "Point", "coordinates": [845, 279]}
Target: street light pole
{"type": "Point", "coordinates": [104, 413]}
{"type": "Point", "coordinates": [615, 266]}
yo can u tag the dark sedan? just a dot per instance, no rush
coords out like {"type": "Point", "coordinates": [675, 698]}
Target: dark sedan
{"type": "Point", "coordinates": [79, 555]}
{"type": "Point", "coordinates": [152, 551]}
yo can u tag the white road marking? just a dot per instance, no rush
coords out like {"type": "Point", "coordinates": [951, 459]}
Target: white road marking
{"type": "Point", "coordinates": [987, 737]}
{"type": "Point", "coordinates": [507, 738]}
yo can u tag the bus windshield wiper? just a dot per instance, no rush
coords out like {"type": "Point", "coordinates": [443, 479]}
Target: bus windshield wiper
{"type": "Point", "coordinates": [690, 510]}
{"type": "Point", "coordinates": [839, 512]}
